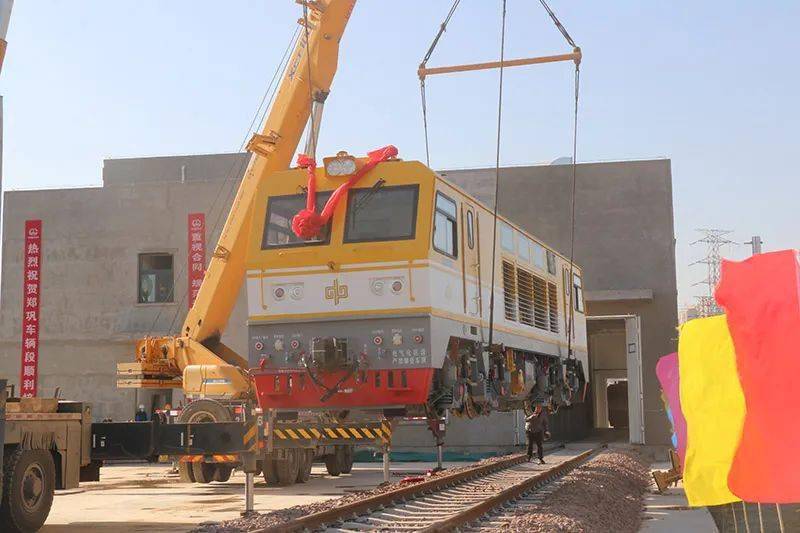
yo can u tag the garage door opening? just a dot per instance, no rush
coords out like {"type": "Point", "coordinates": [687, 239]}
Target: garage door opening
{"type": "Point", "coordinates": [616, 372]}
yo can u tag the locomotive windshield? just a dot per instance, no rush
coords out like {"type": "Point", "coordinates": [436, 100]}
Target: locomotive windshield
{"type": "Point", "coordinates": [278, 225]}
{"type": "Point", "coordinates": [381, 213]}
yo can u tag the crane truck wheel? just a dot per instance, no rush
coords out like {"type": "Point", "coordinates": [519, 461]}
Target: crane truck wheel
{"type": "Point", "coordinates": [222, 472]}
{"type": "Point", "coordinates": [268, 469]}
{"type": "Point", "coordinates": [306, 461]}
{"type": "Point", "coordinates": [347, 458]}
{"type": "Point", "coordinates": [198, 412]}
{"type": "Point", "coordinates": [333, 463]}
{"type": "Point", "coordinates": [286, 469]}
{"type": "Point", "coordinates": [203, 472]}
{"type": "Point", "coordinates": [29, 481]}
{"type": "Point", "coordinates": [186, 472]}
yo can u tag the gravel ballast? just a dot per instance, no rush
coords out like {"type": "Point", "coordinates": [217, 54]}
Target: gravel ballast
{"type": "Point", "coordinates": [604, 494]}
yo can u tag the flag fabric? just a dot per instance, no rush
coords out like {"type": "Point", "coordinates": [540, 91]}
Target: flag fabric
{"type": "Point", "coordinates": [669, 378]}
{"type": "Point", "coordinates": [712, 403]}
{"type": "Point", "coordinates": [761, 298]}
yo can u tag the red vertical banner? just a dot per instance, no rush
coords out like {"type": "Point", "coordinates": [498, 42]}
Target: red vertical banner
{"type": "Point", "coordinates": [31, 302]}
{"type": "Point", "coordinates": [197, 254]}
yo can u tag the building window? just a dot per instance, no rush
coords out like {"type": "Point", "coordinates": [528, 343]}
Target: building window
{"type": "Point", "coordinates": [381, 214]}
{"type": "Point", "coordinates": [156, 278]}
{"type": "Point", "coordinates": [577, 284]}
{"type": "Point", "coordinates": [470, 230]}
{"type": "Point", "coordinates": [507, 237]}
{"type": "Point", "coordinates": [445, 229]}
{"type": "Point", "coordinates": [551, 262]}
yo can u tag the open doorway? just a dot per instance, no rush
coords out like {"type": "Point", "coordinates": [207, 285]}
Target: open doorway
{"type": "Point", "coordinates": [615, 367]}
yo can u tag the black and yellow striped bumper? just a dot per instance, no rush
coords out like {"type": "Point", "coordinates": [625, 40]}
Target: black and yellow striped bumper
{"type": "Point", "coordinates": [352, 433]}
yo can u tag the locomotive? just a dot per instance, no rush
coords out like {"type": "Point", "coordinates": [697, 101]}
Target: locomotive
{"type": "Point", "coordinates": [386, 307]}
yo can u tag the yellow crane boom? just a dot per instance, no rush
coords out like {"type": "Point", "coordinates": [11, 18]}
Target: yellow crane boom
{"type": "Point", "coordinates": [206, 365]}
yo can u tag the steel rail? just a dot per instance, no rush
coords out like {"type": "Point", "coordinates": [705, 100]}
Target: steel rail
{"type": "Point", "coordinates": [438, 483]}
{"type": "Point", "coordinates": [476, 511]}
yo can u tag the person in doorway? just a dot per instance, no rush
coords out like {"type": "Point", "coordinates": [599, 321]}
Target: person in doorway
{"type": "Point", "coordinates": [537, 429]}
{"type": "Point", "coordinates": [141, 414]}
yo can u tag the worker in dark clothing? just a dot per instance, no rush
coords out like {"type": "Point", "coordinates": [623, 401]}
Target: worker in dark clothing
{"type": "Point", "coordinates": [537, 429]}
{"type": "Point", "coordinates": [141, 414]}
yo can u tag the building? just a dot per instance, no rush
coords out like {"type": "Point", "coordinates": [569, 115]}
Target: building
{"type": "Point", "coordinates": [115, 260]}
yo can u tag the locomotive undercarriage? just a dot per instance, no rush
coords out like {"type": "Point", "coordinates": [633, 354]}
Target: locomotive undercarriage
{"type": "Point", "coordinates": [476, 380]}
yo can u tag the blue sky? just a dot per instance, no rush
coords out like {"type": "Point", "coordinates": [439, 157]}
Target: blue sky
{"type": "Point", "coordinates": [711, 85]}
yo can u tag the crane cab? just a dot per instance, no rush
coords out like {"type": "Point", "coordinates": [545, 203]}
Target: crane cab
{"type": "Point", "coordinates": [388, 304]}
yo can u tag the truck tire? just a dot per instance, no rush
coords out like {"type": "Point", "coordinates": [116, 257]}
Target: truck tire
{"type": "Point", "coordinates": [29, 480]}
{"type": "Point", "coordinates": [268, 469]}
{"type": "Point", "coordinates": [203, 472]}
{"type": "Point", "coordinates": [347, 459]}
{"type": "Point", "coordinates": [286, 469]}
{"type": "Point", "coordinates": [306, 461]}
{"type": "Point", "coordinates": [333, 464]}
{"type": "Point", "coordinates": [222, 472]}
{"type": "Point", "coordinates": [185, 472]}
{"type": "Point", "coordinates": [198, 412]}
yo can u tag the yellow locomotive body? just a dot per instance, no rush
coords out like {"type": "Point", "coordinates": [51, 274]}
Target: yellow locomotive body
{"type": "Point", "coordinates": [389, 306]}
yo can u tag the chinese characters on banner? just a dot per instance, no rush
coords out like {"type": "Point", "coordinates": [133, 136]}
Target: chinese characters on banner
{"type": "Point", "coordinates": [197, 254]}
{"type": "Point", "coordinates": [32, 258]}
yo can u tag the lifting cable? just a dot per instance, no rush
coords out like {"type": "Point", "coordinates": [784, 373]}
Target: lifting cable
{"type": "Point", "coordinates": [573, 297]}
{"type": "Point", "coordinates": [422, 65]}
{"type": "Point", "coordinates": [576, 51]}
{"type": "Point", "coordinates": [497, 173]}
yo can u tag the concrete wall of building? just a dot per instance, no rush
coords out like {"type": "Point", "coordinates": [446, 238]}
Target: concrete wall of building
{"type": "Point", "coordinates": [624, 241]}
{"type": "Point", "coordinates": [90, 317]}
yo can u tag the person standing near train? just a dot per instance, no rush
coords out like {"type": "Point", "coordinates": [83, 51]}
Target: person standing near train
{"type": "Point", "coordinates": [537, 429]}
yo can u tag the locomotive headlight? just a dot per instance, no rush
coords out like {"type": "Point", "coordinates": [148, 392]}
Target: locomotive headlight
{"type": "Point", "coordinates": [397, 286]}
{"type": "Point", "coordinates": [279, 293]}
{"type": "Point", "coordinates": [376, 286]}
{"type": "Point", "coordinates": [296, 292]}
{"type": "Point", "coordinates": [341, 165]}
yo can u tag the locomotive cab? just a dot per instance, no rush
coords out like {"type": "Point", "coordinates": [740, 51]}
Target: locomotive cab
{"type": "Point", "coordinates": [386, 306]}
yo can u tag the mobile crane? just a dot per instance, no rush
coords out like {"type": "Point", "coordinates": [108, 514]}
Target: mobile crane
{"type": "Point", "coordinates": [210, 373]}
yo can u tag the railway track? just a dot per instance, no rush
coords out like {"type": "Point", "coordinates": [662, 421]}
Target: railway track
{"type": "Point", "coordinates": [443, 503]}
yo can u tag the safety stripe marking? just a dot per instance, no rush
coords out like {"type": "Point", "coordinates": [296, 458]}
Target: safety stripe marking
{"type": "Point", "coordinates": [368, 433]}
{"type": "Point", "coordinates": [304, 433]}
{"type": "Point", "coordinates": [280, 434]}
{"type": "Point", "coordinates": [331, 433]}
{"type": "Point", "coordinates": [343, 433]}
{"type": "Point", "coordinates": [379, 432]}
{"type": "Point", "coordinates": [316, 432]}
{"type": "Point", "coordinates": [355, 433]}
{"type": "Point", "coordinates": [250, 434]}
{"type": "Point", "coordinates": [291, 433]}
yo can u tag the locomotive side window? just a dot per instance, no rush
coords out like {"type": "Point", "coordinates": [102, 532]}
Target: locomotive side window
{"type": "Point", "coordinates": [470, 230]}
{"type": "Point", "coordinates": [278, 224]}
{"type": "Point", "coordinates": [445, 229]}
{"type": "Point", "coordinates": [381, 213]}
{"type": "Point", "coordinates": [507, 237]}
{"type": "Point", "coordinates": [577, 284]}
{"type": "Point", "coordinates": [525, 248]}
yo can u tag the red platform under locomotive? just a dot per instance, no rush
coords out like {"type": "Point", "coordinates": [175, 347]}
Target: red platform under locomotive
{"type": "Point", "coordinates": [299, 389]}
